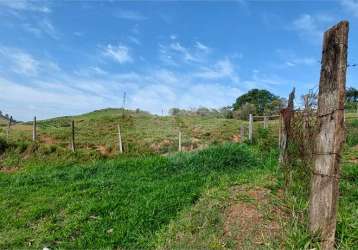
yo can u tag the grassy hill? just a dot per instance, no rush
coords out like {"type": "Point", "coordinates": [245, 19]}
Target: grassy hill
{"type": "Point", "coordinates": [141, 132]}
{"type": "Point", "coordinates": [225, 196]}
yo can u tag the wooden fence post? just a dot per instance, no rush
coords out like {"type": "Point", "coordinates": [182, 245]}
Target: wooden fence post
{"type": "Point", "coordinates": [331, 134]}
{"type": "Point", "coordinates": [285, 123]}
{"type": "Point", "coordinates": [34, 132]}
{"type": "Point", "coordinates": [119, 140]}
{"type": "Point", "coordinates": [250, 127]}
{"type": "Point", "coordinates": [280, 132]}
{"type": "Point", "coordinates": [242, 133]}
{"type": "Point", "coordinates": [179, 146]}
{"type": "Point", "coordinates": [8, 129]}
{"type": "Point", "coordinates": [265, 121]}
{"type": "Point", "coordinates": [73, 147]}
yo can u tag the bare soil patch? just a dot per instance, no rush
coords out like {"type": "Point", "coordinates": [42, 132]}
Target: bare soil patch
{"type": "Point", "coordinates": [251, 220]}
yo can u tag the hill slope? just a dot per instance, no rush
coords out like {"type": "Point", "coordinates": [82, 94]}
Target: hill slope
{"type": "Point", "coordinates": [141, 132]}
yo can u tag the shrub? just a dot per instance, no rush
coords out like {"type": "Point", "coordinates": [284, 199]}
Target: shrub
{"type": "Point", "coordinates": [3, 145]}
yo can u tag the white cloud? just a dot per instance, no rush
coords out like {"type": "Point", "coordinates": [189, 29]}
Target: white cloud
{"type": "Point", "coordinates": [307, 26]}
{"type": "Point", "coordinates": [223, 68]}
{"type": "Point", "coordinates": [202, 47]}
{"type": "Point", "coordinates": [130, 15]}
{"type": "Point", "coordinates": [184, 51]}
{"type": "Point", "coordinates": [311, 27]}
{"type": "Point", "coordinates": [47, 27]}
{"type": "Point", "coordinates": [51, 91]}
{"type": "Point", "coordinates": [42, 28]}
{"type": "Point", "coordinates": [308, 61]}
{"type": "Point", "coordinates": [19, 61]}
{"type": "Point", "coordinates": [175, 53]}
{"type": "Point", "coordinates": [24, 5]}
{"type": "Point", "coordinates": [350, 6]}
{"type": "Point", "coordinates": [118, 53]}
{"type": "Point", "coordinates": [134, 40]}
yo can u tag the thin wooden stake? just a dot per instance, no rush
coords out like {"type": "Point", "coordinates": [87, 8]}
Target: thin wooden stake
{"type": "Point", "coordinates": [330, 136]}
{"type": "Point", "coordinates": [265, 121]}
{"type": "Point", "coordinates": [120, 140]}
{"type": "Point", "coordinates": [34, 132]}
{"type": "Point", "coordinates": [250, 127]}
{"type": "Point", "coordinates": [8, 129]}
{"type": "Point", "coordinates": [242, 133]}
{"type": "Point", "coordinates": [73, 147]}
{"type": "Point", "coordinates": [179, 146]}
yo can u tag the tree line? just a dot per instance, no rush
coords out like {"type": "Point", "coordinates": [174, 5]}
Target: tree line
{"type": "Point", "coordinates": [257, 102]}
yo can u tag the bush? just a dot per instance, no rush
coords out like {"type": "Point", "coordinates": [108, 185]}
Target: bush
{"type": "Point", "coordinates": [3, 145]}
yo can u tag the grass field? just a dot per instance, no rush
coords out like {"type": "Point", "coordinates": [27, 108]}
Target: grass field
{"type": "Point", "coordinates": [117, 203]}
{"type": "Point", "coordinates": [225, 196]}
{"type": "Point", "coordinates": [141, 132]}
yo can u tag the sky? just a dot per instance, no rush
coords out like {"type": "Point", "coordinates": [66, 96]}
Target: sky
{"type": "Point", "coordinates": [71, 57]}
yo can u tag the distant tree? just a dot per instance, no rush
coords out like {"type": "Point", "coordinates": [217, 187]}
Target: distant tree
{"type": "Point", "coordinates": [352, 95]}
{"type": "Point", "coordinates": [174, 111]}
{"type": "Point", "coordinates": [245, 110]}
{"type": "Point", "coordinates": [311, 99]}
{"type": "Point", "coordinates": [226, 112]}
{"type": "Point", "coordinates": [351, 98]}
{"type": "Point", "coordinates": [202, 111]}
{"type": "Point", "coordinates": [260, 98]}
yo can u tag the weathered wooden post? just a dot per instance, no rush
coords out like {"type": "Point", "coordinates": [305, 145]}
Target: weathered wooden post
{"type": "Point", "coordinates": [242, 133]}
{"type": "Point", "coordinates": [73, 147]}
{"type": "Point", "coordinates": [179, 146]}
{"type": "Point", "coordinates": [331, 134]}
{"type": "Point", "coordinates": [280, 121]}
{"type": "Point", "coordinates": [34, 132]}
{"type": "Point", "coordinates": [8, 129]}
{"type": "Point", "coordinates": [286, 115]}
{"type": "Point", "coordinates": [265, 121]}
{"type": "Point", "coordinates": [120, 146]}
{"type": "Point", "coordinates": [250, 127]}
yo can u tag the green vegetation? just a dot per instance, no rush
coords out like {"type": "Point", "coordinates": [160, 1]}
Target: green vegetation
{"type": "Point", "coordinates": [351, 99]}
{"type": "Point", "coordinates": [117, 203]}
{"type": "Point", "coordinates": [147, 198]}
{"type": "Point", "coordinates": [141, 132]}
{"type": "Point", "coordinates": [264, 102]}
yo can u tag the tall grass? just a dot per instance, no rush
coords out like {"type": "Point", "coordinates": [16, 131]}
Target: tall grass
{"type": "Point", "coordinates": [118, 203]}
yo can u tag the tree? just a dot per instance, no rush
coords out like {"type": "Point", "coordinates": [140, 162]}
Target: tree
{"type": "Point", "coordinates": [245, 110]}
{"type": "Point", "coordinates": [226, 112]}
{"type": "Point", "coordinates": [351, 98]}
{"type": "Point", "coordinates": [260, 98]}
{"type": "Point", "coordinates": [352, 95]}
{"type": "Point", "coordinates": [174, 111]}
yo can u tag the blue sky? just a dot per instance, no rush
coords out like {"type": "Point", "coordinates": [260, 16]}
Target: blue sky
{"type": "Point", "coordinates": [61, 58]}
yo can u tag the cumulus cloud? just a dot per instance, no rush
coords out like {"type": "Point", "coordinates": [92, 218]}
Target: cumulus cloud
{"type": "Point", "coordinates": [118, 53]}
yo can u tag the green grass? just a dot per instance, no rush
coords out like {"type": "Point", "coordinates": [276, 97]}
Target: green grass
{"type": "Point", "coordinates": [117, 203]}
{"type": "Point", "coordinates": [141, 132]}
